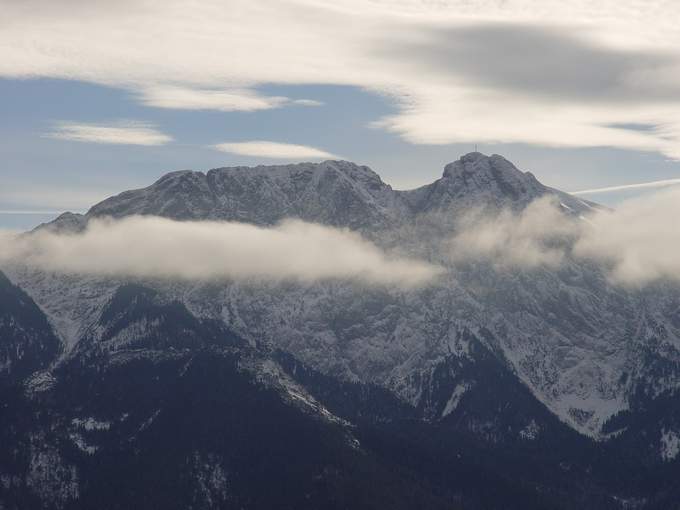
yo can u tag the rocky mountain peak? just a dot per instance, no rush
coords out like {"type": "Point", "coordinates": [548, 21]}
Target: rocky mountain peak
{"type": "Point", "coordinates": [476, 173]}
{"type": "Point", "coordinates": [477, 180]}
{"type": "Point", "coordinates": [65, 222]}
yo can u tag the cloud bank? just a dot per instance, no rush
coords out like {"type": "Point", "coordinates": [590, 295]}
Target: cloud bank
{"type": "Point", "coordinates": [153, 247]}
{"type": "Point", "coordinates": [635, 244]}
{"type": "Point", "coordinates": [548, 72]}
{"type": "Point", "coordinates": [121, 133]}
{"type": "Point", "coordinates": [274, 150]}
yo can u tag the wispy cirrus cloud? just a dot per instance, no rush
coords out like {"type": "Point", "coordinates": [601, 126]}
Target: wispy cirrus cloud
{"type": "Point", "coordinates": [307, 102]}
{"type": "Point", "coordinates": [455, 70]}
{"type": "Point", "coordinates": [273, 150]}
{"type": "Point", "coordinates": [119, 133]}
{"type": "Point", "coordinates": [228, 100]}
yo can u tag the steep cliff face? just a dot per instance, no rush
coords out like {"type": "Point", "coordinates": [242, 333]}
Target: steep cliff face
{"type": "Point", "coordinates": [27, 341]}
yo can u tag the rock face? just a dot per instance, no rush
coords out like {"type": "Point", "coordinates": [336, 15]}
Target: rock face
{"type": "Point", "coordinates": [527, 382]}
{"type": "Point", "coordinates": [334, 192]}
{"type": "Point", "coordinates": [28, 343]}
{"type": "Point", "coordinates": [476, 180]}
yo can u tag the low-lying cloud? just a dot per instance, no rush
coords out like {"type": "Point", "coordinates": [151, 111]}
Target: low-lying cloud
{"type": "Point", "coordinates": [636, 244]}
{"type": "Point", "coordinates": [533, 237]}
{"type": "Point", "coordinates": [640, 240]}
{"type": "Point", "coordinates": [153, 247]}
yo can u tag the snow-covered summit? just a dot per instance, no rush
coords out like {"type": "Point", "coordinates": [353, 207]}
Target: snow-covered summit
{"type": "Point", "coordinates": [338, 193]}
{"type": "Point", "coordinates": [492, 175]}
{"type": "Point", "coordinates": [477, 180]}
{"type": "Point", "coordinates": [332, 192]}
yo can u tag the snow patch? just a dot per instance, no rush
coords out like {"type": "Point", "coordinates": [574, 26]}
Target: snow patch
{"type": "Point", "coordinates": [670, 445]}
{"type": "Point", "coordinates": [148, 422]}
{"type": "Point", "coordinates": [90, 424]}
{"type": "Point", "coordinates": [40, 382]}
{"type": "Point", "coordinates": [82, 445]}
{"type": "Point", "coordinates": [454, 399]}
{"type": "Point", "coordinates": [50, 478]}
{"type": "Point", "coordinates": [212, 481]}
{"type": "Point", "coordinates": [531, 431]}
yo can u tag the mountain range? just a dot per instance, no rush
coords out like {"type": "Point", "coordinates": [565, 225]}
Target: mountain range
{"type": "Point", "coordinates": [522, 387]}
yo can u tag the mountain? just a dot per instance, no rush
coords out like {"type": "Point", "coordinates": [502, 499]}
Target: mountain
{"type": "Point", "coordinates": [523, 388]}
{"type": "Point", "coordinates": [176, 412]}
{"type": "Point", "coordinates": [477, 180]}
{"type": "Point", "coordinates": [337, 193]}
{"type": "Point", "coordinates": [334, 192]}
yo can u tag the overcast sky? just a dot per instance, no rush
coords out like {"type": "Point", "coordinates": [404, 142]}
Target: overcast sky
{"type": "Point", "coordinates": [97, 97]}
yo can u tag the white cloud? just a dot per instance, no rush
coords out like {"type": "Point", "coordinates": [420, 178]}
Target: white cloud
{"type": "Point", "coordinates": [308, 102]}
{"type": "Point", "coordinates": [274, 150]}
{"type": "Point", "coordinates": [534, 237]}
{"type": "Point", "coordinates": [8, 236]}
{"type": "Point", "coordinates": [620, 61]}
{"type": "Point", "coordinates": [641, 185]}
{"type": "Point", "coordinates": [155, 247]}
{"type": "Point", "coordinates": [636, 243]}
{"type": "Point", "coordinates": [122, 133]}
{"type": "Point", "coordinates": [183, 98]}
{"type": "Point", "coordinates": [640, 240]}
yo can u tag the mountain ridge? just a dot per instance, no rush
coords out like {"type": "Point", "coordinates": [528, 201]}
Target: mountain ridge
{"type": "Point", "coordinates": [338, 193]}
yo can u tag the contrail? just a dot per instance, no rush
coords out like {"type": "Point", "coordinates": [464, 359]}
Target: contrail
{"type": "Point", "coordinates": [652, 184]}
